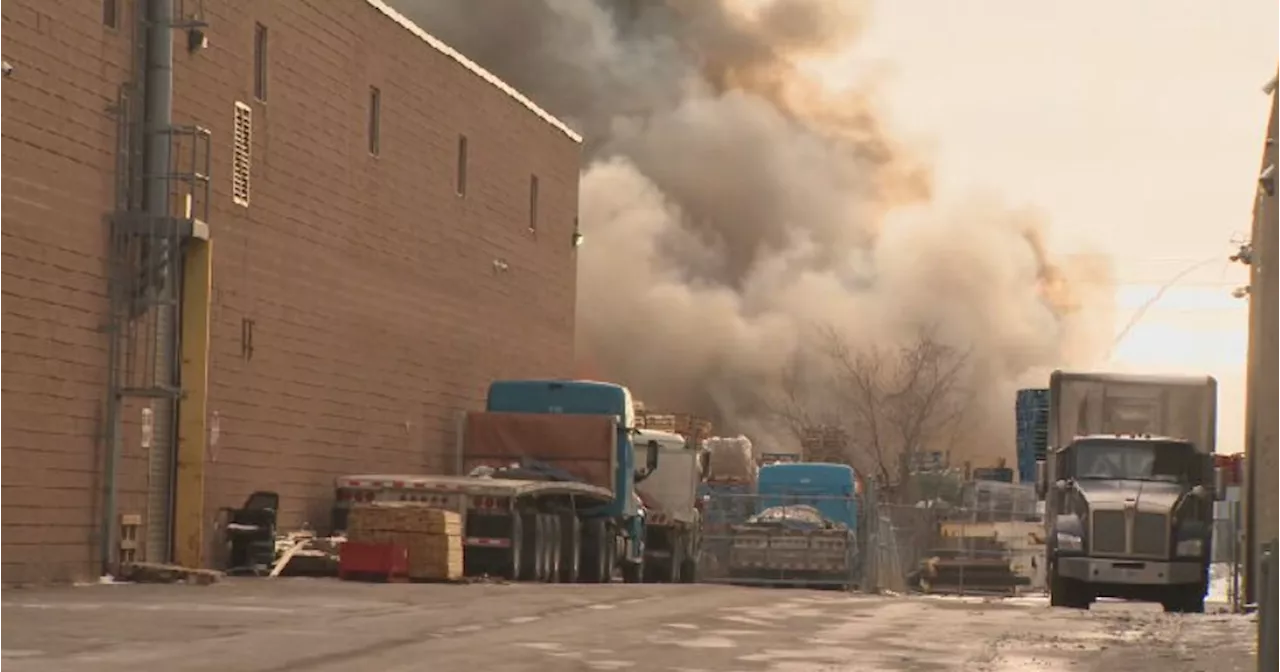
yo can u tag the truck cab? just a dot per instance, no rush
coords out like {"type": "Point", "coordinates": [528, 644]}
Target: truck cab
{"type": "Point", "coordinates": [671, 508]}
{"type": "Point", "coordinates": [832, 489]}
{"type": "Point", "coordinates": [580, 397]}
{"type": "Point", "coordinates": [633, 461]}
{"type": "Point", "coordinates": [1128, 488]}
{"type": "Point", "coordinates": [1131, 516]}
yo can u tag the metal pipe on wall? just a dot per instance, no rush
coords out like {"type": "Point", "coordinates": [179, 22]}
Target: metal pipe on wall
{"type": "Point", "coordinates": [160, 277]}
{"type": "Point", "coordinates": [157, 162]}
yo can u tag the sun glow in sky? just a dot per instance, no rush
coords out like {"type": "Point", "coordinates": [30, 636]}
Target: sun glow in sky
{"type": "Point", "coordinates": [1136, 127]}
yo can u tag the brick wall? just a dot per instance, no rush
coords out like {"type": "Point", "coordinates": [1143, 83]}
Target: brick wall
{"type": "Point", "coordinates": [377, 310]}
{"type": "Point", "coordinates": [58, 164]}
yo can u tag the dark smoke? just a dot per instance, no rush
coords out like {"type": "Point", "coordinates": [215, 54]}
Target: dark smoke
{"type": "Point", "coordinates": [731, 202]}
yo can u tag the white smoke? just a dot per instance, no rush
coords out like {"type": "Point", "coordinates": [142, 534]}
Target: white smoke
{"type": "Point", "coordinates": [731, 205]}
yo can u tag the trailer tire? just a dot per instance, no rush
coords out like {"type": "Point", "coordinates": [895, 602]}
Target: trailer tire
{"type": "Point", "coordinates": [514, 567]}
{"type": "Point", "coordinates": [552, 526]}
{"type": "Point", "coordinates": [570, 548]}
{"type": "Point", "coordinates": [597, 551]}
{"type": "Point", "coordinates": [533, 556]}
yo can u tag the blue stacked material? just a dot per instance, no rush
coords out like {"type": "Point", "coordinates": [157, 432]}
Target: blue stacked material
{"type": "Point", "coordinates": [1032, 416]}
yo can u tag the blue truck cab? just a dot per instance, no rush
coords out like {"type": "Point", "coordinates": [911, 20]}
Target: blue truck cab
{"type": "Point", "coordinates": [832, 489]}
{"type": "Point", "coordinates": [583, 397]}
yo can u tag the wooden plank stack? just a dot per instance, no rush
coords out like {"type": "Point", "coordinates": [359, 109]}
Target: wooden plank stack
{"type": "Point", "coordinates": [433, 537]}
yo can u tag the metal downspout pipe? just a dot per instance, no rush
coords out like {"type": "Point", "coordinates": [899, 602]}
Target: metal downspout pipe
{"type": "Point", "coordinates": [157, 144]}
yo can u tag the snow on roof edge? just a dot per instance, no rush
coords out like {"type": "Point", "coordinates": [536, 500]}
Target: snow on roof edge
{"type": "Point", "coordinates": [467, 63]}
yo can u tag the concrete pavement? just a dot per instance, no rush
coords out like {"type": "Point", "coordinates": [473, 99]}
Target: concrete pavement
{"type": "Point", "coordinates": [325, 626]}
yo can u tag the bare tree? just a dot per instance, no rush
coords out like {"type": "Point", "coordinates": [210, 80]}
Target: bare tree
{"type": "Point", "coordinates": [893, 403]}
{"type": "Point", "coordinates": [793, 402]}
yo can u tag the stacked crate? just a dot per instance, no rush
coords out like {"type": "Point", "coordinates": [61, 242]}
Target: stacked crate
{"type": "Point", "coordinates": [1032, 416]}
{"type": "Point", "coordinates": [432, 537]}
{"type": "Point", "coordinates": [825, 443]}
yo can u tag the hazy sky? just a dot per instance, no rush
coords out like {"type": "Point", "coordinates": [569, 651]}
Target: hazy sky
{"type": "Point", "coordinates": [1136, 126]}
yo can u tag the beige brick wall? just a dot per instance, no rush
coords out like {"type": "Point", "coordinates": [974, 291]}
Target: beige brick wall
{"type": "Point", "coordinates": [378, 312]}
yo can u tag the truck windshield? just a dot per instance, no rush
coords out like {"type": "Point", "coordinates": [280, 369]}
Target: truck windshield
{"type": "Point", "coordinates": [1136, 460]}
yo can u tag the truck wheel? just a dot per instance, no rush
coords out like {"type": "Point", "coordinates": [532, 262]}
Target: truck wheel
{"type": "Point", "coordinates": [570, 548]}
{"type": "Point", "coordinates": [609, 552]}
{"type": "Point", "coordinates": [515, 563]}
{"type": "Point", "coordinates": [632, 572]}
{"type": "Point", "coordinates": [1185, 600]}
{"type": "Point", "coordinates": [676, 561]}
{"type": "Point", "coordinates": [552, 526]}
{"type": "Point", "coordinates": [689, 571]}
{"type": "Point", "coordinates": [1064, 592]}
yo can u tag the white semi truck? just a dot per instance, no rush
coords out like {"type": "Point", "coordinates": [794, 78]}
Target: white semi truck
{"type": "Point", "coordinates": [673, 521]}
{"type": "Point", "coordinates": [1129, 484]}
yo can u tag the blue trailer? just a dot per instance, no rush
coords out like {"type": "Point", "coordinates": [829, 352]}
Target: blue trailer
{"type": "Point", "coordinates": [546, 483]}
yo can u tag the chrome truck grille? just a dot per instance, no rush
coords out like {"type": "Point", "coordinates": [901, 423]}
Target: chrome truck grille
{"type": "Point", "coordinates": [1141, 534]}
{"type": "Point", "coordinates": [1151, 534]}
{"type": "Point", "coordinates": [1108, 532]}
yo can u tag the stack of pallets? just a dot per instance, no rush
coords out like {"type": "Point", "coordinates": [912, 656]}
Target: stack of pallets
{"type": "Point", "coordinates": [431, 537]}
{"type": "Point", "coordinates": [1031, 412]}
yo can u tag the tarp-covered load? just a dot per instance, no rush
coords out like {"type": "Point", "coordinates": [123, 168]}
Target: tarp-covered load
{"type": "Point", "coordinates": [731, 459]}
{"type": "Point", "coordinates": [583, 446]}
{"type": "Point", "coordinates": [797, 517]}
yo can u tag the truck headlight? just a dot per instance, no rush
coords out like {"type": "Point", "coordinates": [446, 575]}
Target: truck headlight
{"type": "Point", "coordinates": [1070, 542]}
{"type": "Point", "coordinates": [1190, 547]}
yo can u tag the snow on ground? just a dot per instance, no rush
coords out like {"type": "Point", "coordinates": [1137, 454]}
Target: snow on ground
{"type": "Point", "coordinates": [1220, 583]}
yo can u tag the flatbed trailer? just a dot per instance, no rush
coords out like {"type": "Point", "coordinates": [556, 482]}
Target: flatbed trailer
{"type": "Point", "coordinates": [776, 555]}
{"type": "Point", "coordinates": [546, 485]}
{"type": "Point", "coordinates": [521, 530]}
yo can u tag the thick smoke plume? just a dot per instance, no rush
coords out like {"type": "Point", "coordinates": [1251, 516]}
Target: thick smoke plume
{"type": "Point", "coordinates": [731, 203]}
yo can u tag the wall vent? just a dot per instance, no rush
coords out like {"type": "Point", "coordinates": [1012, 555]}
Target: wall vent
{"type": "Point", "coordinates": [242, 154]}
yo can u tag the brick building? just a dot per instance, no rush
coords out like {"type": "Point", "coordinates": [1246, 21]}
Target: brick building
{"type": "Point", "coordinates": [386, 226]}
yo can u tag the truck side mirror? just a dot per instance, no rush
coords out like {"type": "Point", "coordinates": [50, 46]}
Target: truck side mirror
{"type": "Point", "coordinates": [1042, 479]}
{"type": "Point", "coordinates": [650, 461]}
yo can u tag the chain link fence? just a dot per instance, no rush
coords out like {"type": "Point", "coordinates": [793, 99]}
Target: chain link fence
{"type": "Point", "coordinates": [990, 543]}
{"type": "Point", "coordinates": [803, 541]}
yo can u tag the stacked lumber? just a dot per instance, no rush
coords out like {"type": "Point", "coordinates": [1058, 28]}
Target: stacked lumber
{"type": "Point", "coordinates": [432, 537]}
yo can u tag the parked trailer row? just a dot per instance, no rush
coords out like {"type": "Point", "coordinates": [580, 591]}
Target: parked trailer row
{"type": "Point", "coordinates": [550, 488]}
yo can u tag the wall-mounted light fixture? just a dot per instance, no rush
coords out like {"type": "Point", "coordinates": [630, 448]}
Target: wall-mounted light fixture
{"type": "Point", "coordinates": [576, 239]}
{"type": "Point", "coordinates": [197, 40]}
{"type": "Point", "coordinates": [8, 69]}
{"type": "Point", "coordinates": [1244, 256]}
{"type": "Point", "coordinates": [500, 266]}
{"type": "Point", "coordinates": [1267, 180]}
{"type": "Point", "coordinates": [1241, 292]}
{"type": "Point", "coordinates": [1270, 87]}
